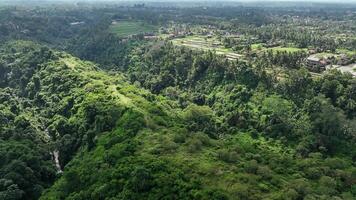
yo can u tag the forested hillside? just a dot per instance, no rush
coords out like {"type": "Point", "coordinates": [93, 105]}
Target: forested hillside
{"type": "Point", "coordinates": [132, 144]}
{"type": "Point", "coordinates": [88, 114]}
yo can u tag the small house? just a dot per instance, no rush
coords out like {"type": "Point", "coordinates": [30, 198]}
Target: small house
{"type": "Point", "coordinates": [316, 64]}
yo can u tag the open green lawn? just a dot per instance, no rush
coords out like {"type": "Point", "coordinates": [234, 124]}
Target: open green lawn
{"type": "Point", "coordinates": [127, 28]}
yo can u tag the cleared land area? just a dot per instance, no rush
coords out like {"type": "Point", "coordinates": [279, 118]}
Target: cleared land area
{"type": "Point", "coordinates": [348, 68]}
{"type": "Point", "coordinates": [287, 49]}
{"type": "Point", "coordinates": [127, 28]}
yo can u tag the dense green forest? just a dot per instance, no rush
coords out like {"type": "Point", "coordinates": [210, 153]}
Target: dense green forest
{"type": "Point", "coordinates": [89, 114]}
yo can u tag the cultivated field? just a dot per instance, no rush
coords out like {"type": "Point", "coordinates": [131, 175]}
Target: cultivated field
{"type": "Point", "coordinates": [259, 47]}
{"type": "Point", "coordinates": [127, 28]}
{"type": "Point", "coordinates": [206, 44]}
{"type": "Point", "coordinates": [212, 43]}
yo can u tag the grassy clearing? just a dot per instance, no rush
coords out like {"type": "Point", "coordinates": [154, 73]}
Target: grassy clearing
{"type": "Point", "coordinates": [127, 28]}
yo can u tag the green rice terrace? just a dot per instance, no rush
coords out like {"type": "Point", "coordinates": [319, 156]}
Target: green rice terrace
{"type": "Point", "coordinates": [127, 28]}
{"type": "Point", "coordinates": [212, 43]}
{"type": "Point", "coordinates": [206, 44]}
{"type": "Point", "coordinates": [290, 49]}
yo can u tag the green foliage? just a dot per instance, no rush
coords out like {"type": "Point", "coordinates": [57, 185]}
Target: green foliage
{"type": "Point", "coordinates": [200, 118]}
{"type": "Point", "coordinates": [261, 127]}
{"type": "Point", "coordinates": [26, 169]}
{"type": "Point", "coordinates": [132, 121]}
{"type": "Point", "coordinates": [280, 118]}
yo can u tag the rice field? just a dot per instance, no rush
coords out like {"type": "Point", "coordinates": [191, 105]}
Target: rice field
{"type": "Point", "coordinates": [206, 44]}
{"type": "Point", "coordinates": [127, 28]}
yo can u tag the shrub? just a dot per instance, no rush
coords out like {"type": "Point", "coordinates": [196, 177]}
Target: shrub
{"type": "Point", "coordinates": [132, 121]}
{"type": "Point", "coordinates": [194, 145]}
{"type": "Point", "coordinates": [228, 156]}
{"type": "Point", "coordinates": [251, 166]}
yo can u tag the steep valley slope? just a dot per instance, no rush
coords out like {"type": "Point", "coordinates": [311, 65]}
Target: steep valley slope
{"type": "Point", "coordinates": [118, 141]}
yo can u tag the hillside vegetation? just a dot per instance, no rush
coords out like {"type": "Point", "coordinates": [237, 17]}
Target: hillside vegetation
{"type": "Point", "coordinates": [132, 144]}
{"type": "Point", "coordinates": [86, 113]}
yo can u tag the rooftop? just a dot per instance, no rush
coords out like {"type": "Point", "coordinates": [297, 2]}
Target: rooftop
{"type": "Point", "coordinates": [313, 58]}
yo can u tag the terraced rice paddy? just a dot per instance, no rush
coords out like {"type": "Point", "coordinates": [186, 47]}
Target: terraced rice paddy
{"type": "Point", "coordinates": [206, 44]}
{"type": "Point", "coordinates": [127, 28]}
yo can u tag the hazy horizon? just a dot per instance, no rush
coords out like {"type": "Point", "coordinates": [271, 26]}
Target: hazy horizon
{"type": "Point", "coordinates": [308, 1]}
